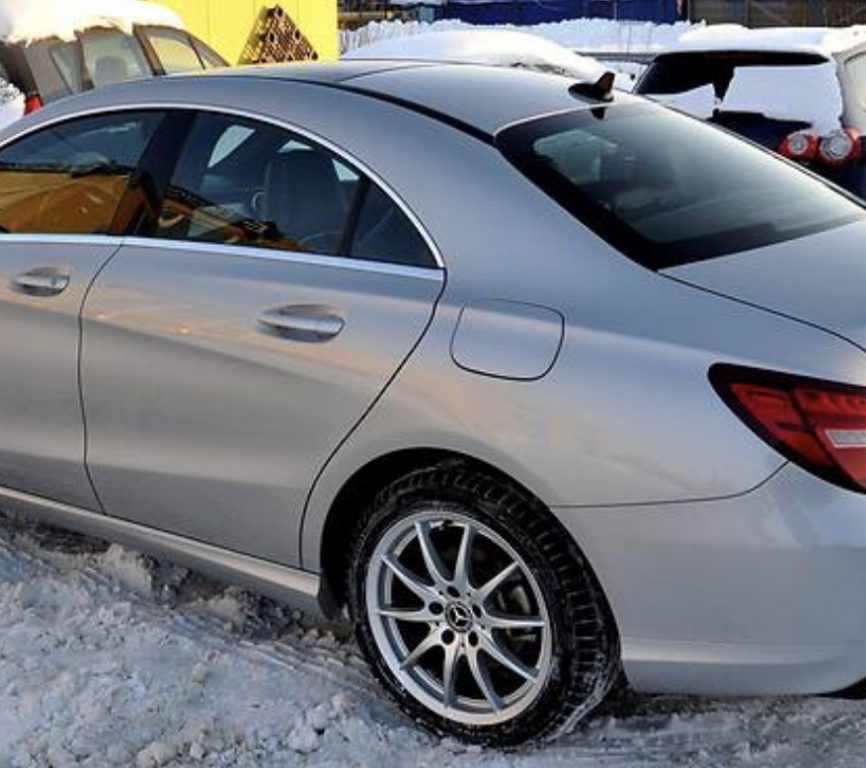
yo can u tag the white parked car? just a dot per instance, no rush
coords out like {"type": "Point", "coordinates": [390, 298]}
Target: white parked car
{"type": "Point", "coordinates": [798, 91]}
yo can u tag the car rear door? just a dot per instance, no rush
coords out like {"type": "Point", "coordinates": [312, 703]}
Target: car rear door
{"type": "Point", "coordinates": [60, 187]}
{"type": "Point", "coordinates": [230, 349]}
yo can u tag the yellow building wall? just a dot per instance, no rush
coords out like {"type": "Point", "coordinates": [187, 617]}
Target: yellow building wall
{"type": "Point", "coordinates": [226, 24]}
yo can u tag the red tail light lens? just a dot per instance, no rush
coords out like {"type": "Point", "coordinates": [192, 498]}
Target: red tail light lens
{"type": "Point", "coordinates": [32, 104]}
{"type": "Point", "coordinates": [801, 146]}
{"type": "Point", "coordinates": [819, 425]}
{"type": "Point", "coordinates": [840, 147]}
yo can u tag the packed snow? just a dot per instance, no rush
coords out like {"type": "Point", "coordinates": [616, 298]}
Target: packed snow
{"type": "Point", "coordinates": [25, 20]}
{"type": "Point", "coordinates": [109, 658]}
{"type": "Point", "coordinates": [499, 47]}
{"type": "Point", "coordinates": [595, 35]}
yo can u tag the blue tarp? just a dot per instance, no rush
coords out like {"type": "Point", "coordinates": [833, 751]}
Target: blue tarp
{"type": "Point", "coordinates": [538, 11]}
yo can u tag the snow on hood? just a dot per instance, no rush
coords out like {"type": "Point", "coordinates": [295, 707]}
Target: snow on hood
{"type": "Point", "coordinates": [26, 20]}
{"type": "Point", "coordinates": [497, 47]}
{"type": "Point", "coordinates": [733, 37]}
{"type": "Point", "coordinates": [809, 94]}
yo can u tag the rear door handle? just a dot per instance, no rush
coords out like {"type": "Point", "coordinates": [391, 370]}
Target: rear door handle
{"type": "Point", "coordinates": [303, 322]}
{"type": "Point", "coordinates": [42, 281]}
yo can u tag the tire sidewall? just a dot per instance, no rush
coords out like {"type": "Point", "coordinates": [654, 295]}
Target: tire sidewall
{"type": "Point", "coordinates": [423, 492]}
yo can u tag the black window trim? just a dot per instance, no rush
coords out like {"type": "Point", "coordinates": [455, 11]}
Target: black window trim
{"type": "Point", "coordinates": [180, 138]}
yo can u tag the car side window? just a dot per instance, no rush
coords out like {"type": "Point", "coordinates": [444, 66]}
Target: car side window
{"type": "Point", "coordinates": [70, 178]}
{"type": "Point", "coordinates": [111, 56]}
{"type": "Point", "coordinates": [240, 182]}
{"type": "Point", "coordinates": [244, 183]}
{"type": "Point", "coordinates": [174, 50]}
{"type": "Point", "coordinates": [385, 233]}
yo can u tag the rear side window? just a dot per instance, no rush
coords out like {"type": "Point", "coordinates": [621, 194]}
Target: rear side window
{"type": "Point", "coordinates": [110, 57]}
{"type": "Point", "coordinates": [240, 182]}
{"type": "Point", "coordinates": [667, 189]}
{"type": "Point", "coordinates": [70, 178]}
{"type": "Point", "coordinates": [174, 50]}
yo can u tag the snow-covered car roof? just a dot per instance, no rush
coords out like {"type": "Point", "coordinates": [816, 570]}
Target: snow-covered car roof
{"type": "Point", "coordinates": [733, 37]}
{"type": "Point", "coordinates": [497, 47]}
{"type": "Point", "coordinates": [27, 20]}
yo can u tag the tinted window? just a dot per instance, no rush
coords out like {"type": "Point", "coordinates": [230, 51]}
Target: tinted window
{"type": "Point", "coordinates": [111, 57]}
{"type": "Point", "coordinates": [174, 50]}
{"type": "Point", "coordinates": [252, 184]}
{"type": "Point", "coordinates": [244, 183]}
{"type": "Point", "coordinates": [384, 233]}
{"type": "Point", "coordinates": [667, 189]}
{"type": "Point", "coordinates": [69, 179]}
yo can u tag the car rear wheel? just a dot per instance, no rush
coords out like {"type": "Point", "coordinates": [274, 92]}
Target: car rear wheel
{"type": "Point", "coordinates": [477, 611]}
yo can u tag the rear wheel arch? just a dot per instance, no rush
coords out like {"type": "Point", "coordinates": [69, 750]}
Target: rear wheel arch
{"type": "Point", "coordinates": [345, 514]}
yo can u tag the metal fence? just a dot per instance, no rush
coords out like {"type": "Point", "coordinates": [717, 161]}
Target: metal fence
{"type": "Point", "coordinates": [780, 13]}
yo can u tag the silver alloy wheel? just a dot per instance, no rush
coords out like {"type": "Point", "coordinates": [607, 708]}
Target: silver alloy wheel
{"type": "Point", "coordinates": [458, 618]}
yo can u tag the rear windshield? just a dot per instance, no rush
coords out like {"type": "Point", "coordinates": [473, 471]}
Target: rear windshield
{"type": "Point", "coordinates": [666, 189]}
{"type": "Point", "coordinates": [681, 72]}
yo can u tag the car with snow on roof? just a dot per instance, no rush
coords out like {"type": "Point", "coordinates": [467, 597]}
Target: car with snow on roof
{"type": "Point", "coordinates": [798, 91]}
{"type": "Point", "coordinates": [55, 48]}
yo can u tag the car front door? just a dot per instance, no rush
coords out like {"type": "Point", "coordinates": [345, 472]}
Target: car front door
{"type": "Point", "coordinates": [228, 352]}
{"type": "Point", "coordinates": [60, 188]}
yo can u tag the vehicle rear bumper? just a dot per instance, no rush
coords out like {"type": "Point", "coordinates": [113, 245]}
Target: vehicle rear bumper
{"type": "Point", "coordinates": [755, 594]}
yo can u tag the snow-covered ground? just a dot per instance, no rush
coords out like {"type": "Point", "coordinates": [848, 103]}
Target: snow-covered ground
{"type": "Point", "coordinates": [108, 658]}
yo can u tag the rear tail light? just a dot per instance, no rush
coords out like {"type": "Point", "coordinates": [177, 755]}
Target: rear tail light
{"type": "Point", "coordinates": [840, 147]}
{"type": "Point", "coordinates": [835, 148]}
{"type": "Point", "coordinates": [801, 146]}
{"type": "Point", "coordinates": [33, 103]}
{"type": "Point", "coordinates": [818, 425]}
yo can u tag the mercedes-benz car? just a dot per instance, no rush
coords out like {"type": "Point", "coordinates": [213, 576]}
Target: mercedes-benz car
{"type": "Point", "coordinates": [536, 384]}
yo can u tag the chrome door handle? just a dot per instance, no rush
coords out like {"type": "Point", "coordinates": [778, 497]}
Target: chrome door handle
{"type": "Point", "coordinates": [42, 281]}
{"type": "Point", "coordinates": [303, 323]}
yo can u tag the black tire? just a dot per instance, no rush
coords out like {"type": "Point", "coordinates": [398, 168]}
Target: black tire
{"type": "Point", "coordinates": [585, 644]}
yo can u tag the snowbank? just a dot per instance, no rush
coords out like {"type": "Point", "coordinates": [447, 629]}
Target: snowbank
{"type": "Point", "coordinates": [733, 37]}
{"type": "Point", "coordinates": [601, 35]}
{"type": "Point", "coordinates": [23, 20]}
{"type": "Point", "coordinates": [498, 47]}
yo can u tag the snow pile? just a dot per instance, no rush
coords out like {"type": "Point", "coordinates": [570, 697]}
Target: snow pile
{"type": "Point", "coordinates": [25, 20]}
{"type": "Point", "coordinates": [596, 35]}
{"type": "Point", "coordinates": [734, 37]}
{"type": "Point", "coordinates": [499, 47]}
{"type": "Point", "coordinates": [108, 658]}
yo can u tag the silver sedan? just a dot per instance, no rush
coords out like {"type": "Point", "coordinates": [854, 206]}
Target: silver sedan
{"type": "Point", "coordinates": [538, 385]}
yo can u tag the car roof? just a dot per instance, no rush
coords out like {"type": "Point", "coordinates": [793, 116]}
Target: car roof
{"type": "Point", "coordinates": [479, 100]}
{"type": "Point", "coordinates": [483, 98]}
